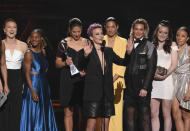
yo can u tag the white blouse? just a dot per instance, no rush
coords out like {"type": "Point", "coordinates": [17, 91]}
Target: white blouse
{"type": "Point", "coordinates": [14, 61]}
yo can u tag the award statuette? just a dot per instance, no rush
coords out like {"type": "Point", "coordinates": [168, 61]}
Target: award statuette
{"type": "Point", "coordinates": [73, 68]}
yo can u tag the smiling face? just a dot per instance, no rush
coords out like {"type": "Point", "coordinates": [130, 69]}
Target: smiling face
{"type": "Point", "coordinates": [138, 31]}
{"type": "Point", "coordinates": [163, 33]}
{"type": "Point", "coordinates": [35, 39]}
{"type": "Point", "coordinates": [10, 29]}
{"type": "Point", "coordinates": [182, 37]}
{"type": "Point", "coordinates": [75, 32]}
{"type": "Point", "coordinates": [97, 35]}
{"type": "Point", "coordinates": [111, 28]}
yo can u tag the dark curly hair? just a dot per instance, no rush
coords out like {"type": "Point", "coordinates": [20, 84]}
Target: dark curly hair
{"type": "Point", "coordinates": [168, 42]}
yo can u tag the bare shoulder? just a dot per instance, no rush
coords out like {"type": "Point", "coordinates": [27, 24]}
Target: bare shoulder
{"type": "Point", "coordinates": [84, 41]}
{"type": "Point", "coordinates": [23, 45]}
{"type": "Point", "coordinates": [3, 41]}
{"type": "Point", "coordinates": [28, 55]}
{"type": "Point", "coordinates": [67, 39]}
{"type": "Point", "coordinates": [2, 46]}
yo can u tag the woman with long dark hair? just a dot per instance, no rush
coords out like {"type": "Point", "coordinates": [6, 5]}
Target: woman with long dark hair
{"type": "Point", "coordinates": [163, 88]}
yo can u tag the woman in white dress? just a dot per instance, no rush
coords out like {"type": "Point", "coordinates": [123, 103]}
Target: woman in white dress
{"type": "Point", "coordinates": [162, 92]}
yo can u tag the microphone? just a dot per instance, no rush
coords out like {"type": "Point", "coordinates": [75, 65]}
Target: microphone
{"type": "Point", "coordinates": [103, 45]}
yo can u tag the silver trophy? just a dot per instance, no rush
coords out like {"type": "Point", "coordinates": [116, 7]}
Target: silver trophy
{"type": "Point", "coordinates": [73, 68]}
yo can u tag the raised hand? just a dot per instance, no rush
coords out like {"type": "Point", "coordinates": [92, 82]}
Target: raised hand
{"type": "Point", "coordinates": [130, 45]}
{"type": "Point", "coordinates": [88, 48]}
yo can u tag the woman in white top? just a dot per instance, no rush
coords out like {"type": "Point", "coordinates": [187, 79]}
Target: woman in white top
{"type": "Point", "coordinates": [163, 88]}
{"type": "Point", "coordinates": [14, 54]}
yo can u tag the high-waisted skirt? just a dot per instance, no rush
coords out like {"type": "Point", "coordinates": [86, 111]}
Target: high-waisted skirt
{"type": "Point", "coordinates": [11, 110]}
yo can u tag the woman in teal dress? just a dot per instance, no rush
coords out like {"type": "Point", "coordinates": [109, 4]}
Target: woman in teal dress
{"type": "Point", "coordinates": [37, 111]}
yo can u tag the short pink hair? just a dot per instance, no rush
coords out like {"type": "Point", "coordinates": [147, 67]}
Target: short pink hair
{"type": "Point", "coordinates": [92, 27]}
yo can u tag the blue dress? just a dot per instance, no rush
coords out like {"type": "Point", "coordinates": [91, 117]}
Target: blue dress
{"type": "Point", "coordinates": [38, 116]}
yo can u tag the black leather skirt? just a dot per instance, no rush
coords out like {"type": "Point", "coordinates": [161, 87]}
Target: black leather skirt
{"type": "Point", "coordinates": [98, 109]}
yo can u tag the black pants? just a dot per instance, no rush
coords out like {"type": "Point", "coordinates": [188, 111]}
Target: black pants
{"type": "Point", "coordinates": [10, 112]}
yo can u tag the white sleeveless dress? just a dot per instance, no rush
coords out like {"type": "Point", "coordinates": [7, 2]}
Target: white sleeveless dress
{"type": "Point", "coordinates": [164, 89]}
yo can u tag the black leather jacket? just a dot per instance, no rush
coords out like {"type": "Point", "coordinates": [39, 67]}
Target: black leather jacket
{"type": "Point", "coordinates": [141, 66]}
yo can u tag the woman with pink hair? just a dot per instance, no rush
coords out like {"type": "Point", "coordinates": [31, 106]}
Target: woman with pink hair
{"type": "Point", "coordinates": [98, 99]}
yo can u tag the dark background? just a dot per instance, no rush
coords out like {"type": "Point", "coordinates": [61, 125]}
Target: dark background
{"type": "Point", "coordinates": [53, 16]}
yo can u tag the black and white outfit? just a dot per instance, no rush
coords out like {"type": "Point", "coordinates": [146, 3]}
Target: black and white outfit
{"type": "Point", "coordinates": [98, 99]}
{"type": "Point", "coordinates": [139, 74]}
{"type": "Point", "coordinates": [11, 110]}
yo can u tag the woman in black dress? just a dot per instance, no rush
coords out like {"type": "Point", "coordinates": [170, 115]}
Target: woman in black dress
{"type": "Point", "coordinates": [71, 86]}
